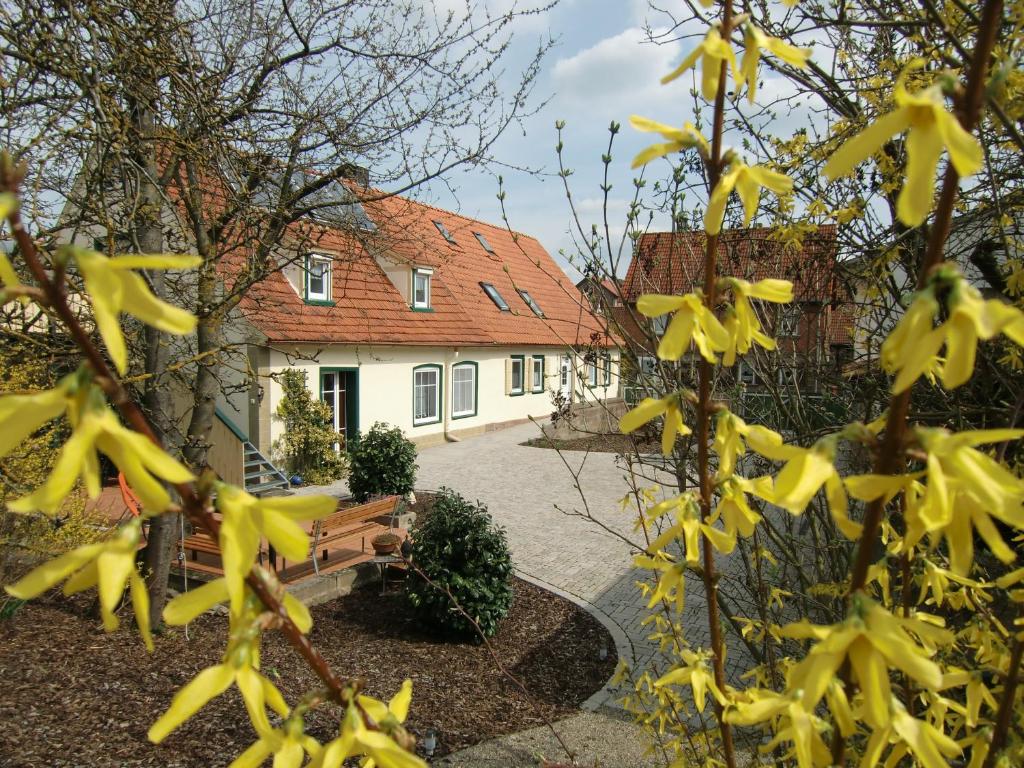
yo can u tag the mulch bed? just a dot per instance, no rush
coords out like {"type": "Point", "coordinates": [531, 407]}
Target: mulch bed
{"type": "Point", "coordinates": [74, 696]}
{"type": "Point", "coordinates": [601, 443]}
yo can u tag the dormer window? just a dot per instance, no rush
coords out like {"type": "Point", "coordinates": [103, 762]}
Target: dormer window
{"type": "Point", "coordinates": [318, 278]}
{"type": "Point", "coordinates": [493, 295]}
{"type": "Point", "coordinates": [533, 305]}
{"type": "Point", "coordinates": [421, 287]}
{"type": "Point", "coordinates": [444, 232]}
{"type": "Point", "coordinates": [483, 242]}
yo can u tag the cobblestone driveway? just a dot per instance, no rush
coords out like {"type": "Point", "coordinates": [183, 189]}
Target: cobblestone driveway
{"type": "Point", "coordinates": [533, 494]}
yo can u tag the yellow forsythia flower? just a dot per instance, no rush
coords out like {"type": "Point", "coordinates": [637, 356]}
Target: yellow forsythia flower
{"type": "Point", "coordinates": [691, 321]}
{"type": "Point", "coordinates": [747, 180]}
{"type": "Point", "coordinates": [733, 509]}
{"type": "Point", "coordinates": [965, 489]}
{"type": "Point", "coordinates": [742, 325]}
{"type": "Point", "coordinates": [795, 725]}
{"type": "Point", "coordinates": [805, 472]}
{"type": "Point", "coordinates": [288, 745]}
{"type": "Point", "coordinates": [246, 519]}
{"type": "Point", "coordinates": [108, 564]}
{"type": "Point", "coordinates": [671, 579]}
{"type": "Point", "coordinates": [872, 640]}
{"type": "Point", "coordinates": [931, 129]}
{"type": "Point", "coordinates": [754, 41]}
{"type": "Point", "coordinates": [187, 606]}
{"type": "Point", "coordinates": [687, 137]}
{"type": "Point", "coordinates": [687, 528]}
{"type": "Point", "coordinates": [931, 747]}
{"type": "Point", "coordinates": [712, 52]}
{"type": "Point", "coordinates": [649, 409]}
{"type": "Point", "coordinates": [696, 673]}
{"type": "Point", "coordinates": [94, 428]}
{"type": "Point", "coordinates": [239, 665]}
{"type": "Point", "coordinates": [115, 288]}
{"type": "Point", "coordinates": [380, 746]}
{"type": "Point", "coordinates": [913, 346]}
{"type": "Point", "coordinates": [9, 278]}
{"type": "Point", "coordinates": [733, 434]}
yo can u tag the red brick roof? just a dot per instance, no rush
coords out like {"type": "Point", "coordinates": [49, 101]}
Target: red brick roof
{"type": "Point", "coordinates": [667, 263]}
{"type": "Point", "coordinates": [368, 309]}
{"type": "Point", "coordinates": [664, 262]}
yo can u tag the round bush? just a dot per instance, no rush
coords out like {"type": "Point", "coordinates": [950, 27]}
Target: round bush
{"type": "Point", "coordinates": [459, 547]}
{"type": "Point", "coordinates": [383, 462]}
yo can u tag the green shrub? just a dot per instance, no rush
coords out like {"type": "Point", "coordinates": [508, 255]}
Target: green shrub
{"type": "Point", "coordinates": [309, 437]}
{"type": "Point", "coordinates": [383, 463]}
{"type": "Point", "coordinates": [460, 548]}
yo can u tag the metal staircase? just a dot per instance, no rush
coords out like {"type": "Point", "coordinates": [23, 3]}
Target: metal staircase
{"type": "Point", "coordinates": [261, 476]}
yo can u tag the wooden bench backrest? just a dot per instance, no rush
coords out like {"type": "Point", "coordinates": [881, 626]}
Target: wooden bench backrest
{"type": "Point", "coordinates": [360, 513]}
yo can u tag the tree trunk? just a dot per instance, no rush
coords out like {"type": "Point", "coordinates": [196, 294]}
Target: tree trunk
{"type": "Point", "coordinates": [148, 238]}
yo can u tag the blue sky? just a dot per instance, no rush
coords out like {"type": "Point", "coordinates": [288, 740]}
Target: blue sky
{"type": "Point", "coordinates": [600, 70]}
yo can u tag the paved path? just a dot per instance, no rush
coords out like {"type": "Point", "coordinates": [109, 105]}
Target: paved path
{"type": "Point", "coordinates": [535, 496]}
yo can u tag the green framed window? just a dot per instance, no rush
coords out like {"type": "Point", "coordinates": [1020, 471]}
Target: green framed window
{"type": "Point", "coordinates": [426, 394]}
{"type": "Point", "coordinates": [517, 375]}
{"type": "Point", "coordinates": [606, 359]}
{"type": "Point", "coordinates": [537, 373]}
{"type": "Point", "coordinates": [464, 390]}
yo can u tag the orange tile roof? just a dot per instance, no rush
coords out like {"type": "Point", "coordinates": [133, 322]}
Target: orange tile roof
{"type": "Point", "coordinates": [667, 263]}
{"type": "Point", "coordinates": [664, 262]}
{"type": "Point", "coordinates": [368, 309]}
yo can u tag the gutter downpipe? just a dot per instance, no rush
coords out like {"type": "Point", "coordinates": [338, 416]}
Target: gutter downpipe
{"type": "Point", "coordinates": [449, 356]}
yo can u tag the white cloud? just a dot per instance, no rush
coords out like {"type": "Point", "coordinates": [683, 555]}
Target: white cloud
{"type": "Point", "coordinates": [621, 70]}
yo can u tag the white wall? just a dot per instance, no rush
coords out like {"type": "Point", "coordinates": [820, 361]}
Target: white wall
{"type": "Point", "coordinates": [386, 384]}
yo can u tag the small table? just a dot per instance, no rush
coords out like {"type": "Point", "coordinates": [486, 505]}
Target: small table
{"type": "Point", "coordinates": [382, 562]}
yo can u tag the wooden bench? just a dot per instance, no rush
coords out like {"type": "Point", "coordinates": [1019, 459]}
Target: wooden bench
{"type": "Point", "coordinates": [200, 542]}
{"type": "Point", "coordinates": [350, 523]}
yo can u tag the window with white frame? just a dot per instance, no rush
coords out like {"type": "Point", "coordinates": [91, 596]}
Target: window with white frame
{"type": "Point", "coordinates": [787, 376]}
{"type": "Point", "coordinates": [463, 390]}
{"type": "Point", "coordinates": [592, 372]}
{"type": "Point", "coordinates": [745, 373]}
{"type": "Point", "coordinates": [648, 364]}
{"type": "Point", "coordinates": [318, 278]}
{"type": "Point", "coordinates": [426, 394]}
{"type": "Point", "coordinates": [659, 324]}
{"type": "Point", "coordinates": [517, 375]}
{"type": "Point", "coordinates": [606, 361]}
{"type": "Point", "coordinates": [421, 288]}
{"type": "Point", "coordinates": [537, 374]}
{"type": "Point", "coordinates": [789, 320]}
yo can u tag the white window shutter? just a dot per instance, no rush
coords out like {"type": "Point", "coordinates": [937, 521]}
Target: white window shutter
{"type": "Point", "coordinates": [508, 375]}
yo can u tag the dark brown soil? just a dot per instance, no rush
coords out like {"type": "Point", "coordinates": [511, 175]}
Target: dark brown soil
{"type": "Point", "coordinates": [603, 443]}
{"type": "Point", "coordinates": [74, 696]}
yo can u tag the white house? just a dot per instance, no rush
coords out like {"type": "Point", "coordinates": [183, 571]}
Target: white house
{"type": "Point", "coordinates": [442, 325]}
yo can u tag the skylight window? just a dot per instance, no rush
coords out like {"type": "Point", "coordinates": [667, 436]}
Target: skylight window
{"type": "Point", "coordinates": [483, 242]}
{"type": "Point", "coordinates": [493, 295]}
{"type": "Point", "coordinates": [531, 303]}
{"type": "Point", "coordinates": [444, 232]}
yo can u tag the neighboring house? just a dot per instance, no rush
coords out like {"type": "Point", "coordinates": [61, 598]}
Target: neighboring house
{"type": "Point", "coordinates": [813, 331]}
{"type": "Point", "coordinates": [603, 293]}
{"type": "Point", "coordinates": [981, 244]}
{"type": "Point", "coordinates": [440, 324]}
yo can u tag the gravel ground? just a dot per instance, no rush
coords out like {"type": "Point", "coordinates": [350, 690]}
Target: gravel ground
{"type": "Point", "coordinates": [74, 696]}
